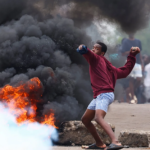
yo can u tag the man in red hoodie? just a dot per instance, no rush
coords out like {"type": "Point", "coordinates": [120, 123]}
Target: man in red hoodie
{"type": "Point", "coordinates": [103, 77]}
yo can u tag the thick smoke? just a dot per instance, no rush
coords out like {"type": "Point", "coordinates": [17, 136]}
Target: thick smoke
{"type": "Point", "coordinates": [130, 15]}
{"type": "Point", "coordinates": [35, 44]}
{"type": "Point", "coordinates": [11, 9]}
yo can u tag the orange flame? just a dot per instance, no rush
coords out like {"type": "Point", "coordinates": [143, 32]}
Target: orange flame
{"type": "Point", "coordinates": [22, 101]}
{"type": "Point", "coordinates": [49, 120]}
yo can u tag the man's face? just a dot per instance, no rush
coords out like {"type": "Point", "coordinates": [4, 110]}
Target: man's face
{"type": "Point", "coordinates": [97, 50]}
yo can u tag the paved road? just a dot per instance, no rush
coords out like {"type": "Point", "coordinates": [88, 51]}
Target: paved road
{"type": "Point", "coordinates": [124, 116]}
{"type": "Point", "coordinates": [129, 116]}
{"type": "Point", "coordinates": [79, 148]}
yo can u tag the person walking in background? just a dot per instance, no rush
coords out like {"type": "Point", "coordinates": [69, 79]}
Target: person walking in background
{"type": "Point", "coordinates": [147, 81]}
{"type": "Point", "coordinates": [135, 76]}
{"type": "Point", "coordinates": [145, 59]}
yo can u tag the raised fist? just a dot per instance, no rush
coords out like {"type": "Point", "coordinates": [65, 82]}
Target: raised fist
{"type": "Point", "coordinates": [135, 50]}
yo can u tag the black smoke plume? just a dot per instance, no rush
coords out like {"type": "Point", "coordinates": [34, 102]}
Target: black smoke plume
{"type": "Point", "coordinates": [130, 15]}
{"type": "Point", "coordinates": [34, 43]}
{"type": "Point", "coordinates": [30, 48]}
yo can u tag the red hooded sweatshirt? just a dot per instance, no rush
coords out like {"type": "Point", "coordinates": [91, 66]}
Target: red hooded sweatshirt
{"type": "Point", "coordinates": [103, 74]}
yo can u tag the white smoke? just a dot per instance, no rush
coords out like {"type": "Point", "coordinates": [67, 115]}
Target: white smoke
{"type": "Point", "coordinates": [27, 136]}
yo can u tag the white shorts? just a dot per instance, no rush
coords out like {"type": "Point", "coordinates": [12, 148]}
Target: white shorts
{"type": "Point", "coordinates": [102, 102]}
{"type": "Point", "coordinates": [137, 71]}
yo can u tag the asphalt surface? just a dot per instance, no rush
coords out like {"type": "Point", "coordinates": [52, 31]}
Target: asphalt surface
{"type": "Point", "coordinates": [79, 148]}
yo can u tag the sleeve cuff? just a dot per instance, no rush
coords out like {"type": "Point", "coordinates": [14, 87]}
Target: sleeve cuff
{"type": "Point", "coordinates": [132, 54]}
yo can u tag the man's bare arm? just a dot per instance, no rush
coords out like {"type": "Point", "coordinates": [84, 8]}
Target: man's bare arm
{"type": "Point", "coordinates": [142, 63]}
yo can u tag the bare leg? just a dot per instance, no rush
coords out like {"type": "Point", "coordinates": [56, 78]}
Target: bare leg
{"type": "Point", "coordinates": [99, 118]}
{"type": "Point", "coordinates": [131, 86]}
{"type": "Point", "coordinates": [86, 119]}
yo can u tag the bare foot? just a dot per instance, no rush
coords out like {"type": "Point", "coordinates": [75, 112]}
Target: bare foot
{"type": "Point", "coordinates": [101, 146]}
{"type": "Point", "coordinates": [117, 143]}
{"type": "Point", "coordinates": [93, 146]}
